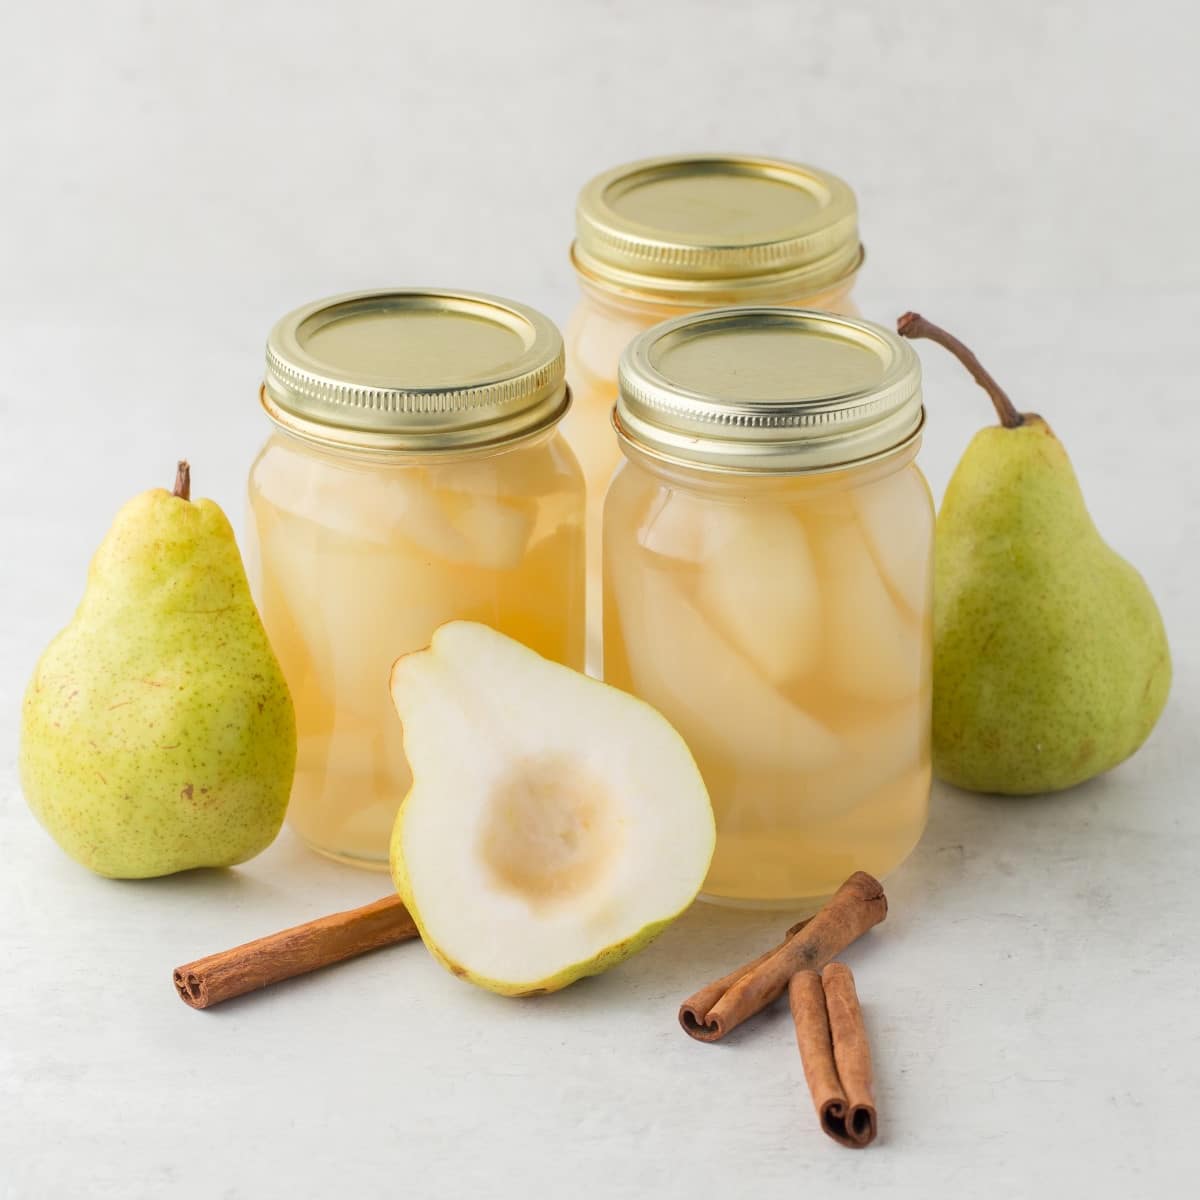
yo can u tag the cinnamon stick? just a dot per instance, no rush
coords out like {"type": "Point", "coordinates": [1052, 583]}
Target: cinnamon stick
{"type": "Point", "coordinates": [835, 1053]}
{"type": "Point", "coordinates": [854, 908]}
{"type": "Point", "coordinates": [694, 1010]}
{"type": "Point", "coordinates": [295, 951]}
{"type": "Point", "coordinates": [851, 1050]}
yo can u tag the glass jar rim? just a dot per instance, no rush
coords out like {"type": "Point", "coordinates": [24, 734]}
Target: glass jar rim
{"type": "Point", "coordinates": [778, 289]}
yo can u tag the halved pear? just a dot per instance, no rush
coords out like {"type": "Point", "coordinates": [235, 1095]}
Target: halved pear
{"type": "Point", "coordinates": [554, 826]}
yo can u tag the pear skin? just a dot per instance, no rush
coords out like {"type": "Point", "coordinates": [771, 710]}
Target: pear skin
{"type": "Point", "coordinates": [1051, 662]}
{"type": "Point", "coordinates": [158, 732]}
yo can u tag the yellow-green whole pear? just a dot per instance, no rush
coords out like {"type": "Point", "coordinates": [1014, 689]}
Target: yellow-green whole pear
{"type": "Point", "coordinates": [158, 733]}
{"type": "Point", "coordinates": [554, 826]}
{"type": "Point", "coordinates": [1050, 662]}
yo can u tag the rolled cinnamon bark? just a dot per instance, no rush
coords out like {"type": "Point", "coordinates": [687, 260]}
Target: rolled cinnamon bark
{"type": "Point", "coordinates": [806, 998]}
{"type": "Point", "coordinates": [851, 1052]}
{"type": "Point", "coordinates": [854, 908]}
{"type": "Point", "coordinates": [694, 1010]}
{"type": "Point", "coordinates": [835, 1053]}
{"type": "Point", "coordinates": [295, 951]}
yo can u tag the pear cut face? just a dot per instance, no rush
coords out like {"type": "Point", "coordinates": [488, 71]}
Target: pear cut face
{"type": "Point", "coordinates": [554, 825]}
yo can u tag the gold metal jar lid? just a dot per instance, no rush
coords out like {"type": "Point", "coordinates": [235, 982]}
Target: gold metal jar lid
{"type": "Point", "coordinates": [761, 390]}
{"type": "Point", "coordinates": [705, 229]}
{"type": "Point", "coordinates": [414, 370]}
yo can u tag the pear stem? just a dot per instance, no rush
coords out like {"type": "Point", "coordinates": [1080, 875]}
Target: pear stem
{"type": "Point", "coordinates": [913, 325]}
{"type": "Point", "coordinates": [183, 480]}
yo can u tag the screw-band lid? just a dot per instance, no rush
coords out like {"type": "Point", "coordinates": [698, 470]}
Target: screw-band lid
{"type": "Point", "coordinates": [705, 229]}
{"type": "Point", "coordinates": [417, 369]}
{"type": "Point", "coordinates": [755, 390]}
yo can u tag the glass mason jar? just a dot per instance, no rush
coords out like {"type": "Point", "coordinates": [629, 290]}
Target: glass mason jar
{"type": "Point", "coordinates": [665, 236]}
{"type": "Point", "coordinates": [768, 585]}
{"type": "Point", "coordinates": [416, 476]}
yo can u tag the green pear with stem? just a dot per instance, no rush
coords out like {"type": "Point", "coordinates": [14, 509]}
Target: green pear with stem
{"type": "Point", "coordinates": [1050, 660]}
{"type": "Point", "coordinates": [157, 733]}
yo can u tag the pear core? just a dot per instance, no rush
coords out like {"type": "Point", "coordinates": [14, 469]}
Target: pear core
{"type": "Point", "coordinates": [550, 830]}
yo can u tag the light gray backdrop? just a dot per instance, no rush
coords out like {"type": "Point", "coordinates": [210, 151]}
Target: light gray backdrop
{"type": "Point", "coordinates": [175, 176]}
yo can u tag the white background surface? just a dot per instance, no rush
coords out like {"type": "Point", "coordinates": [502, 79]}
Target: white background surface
{"type": "Point", "coordinates": [174, 177]}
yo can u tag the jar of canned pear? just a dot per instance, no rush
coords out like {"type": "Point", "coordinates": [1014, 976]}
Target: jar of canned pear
{"type": "Point", "coordinates": [665, 236]}
{"type": "Point", "coordinates": [768, 583]}
{"type": "Point", "coordinates": [415, 476]}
